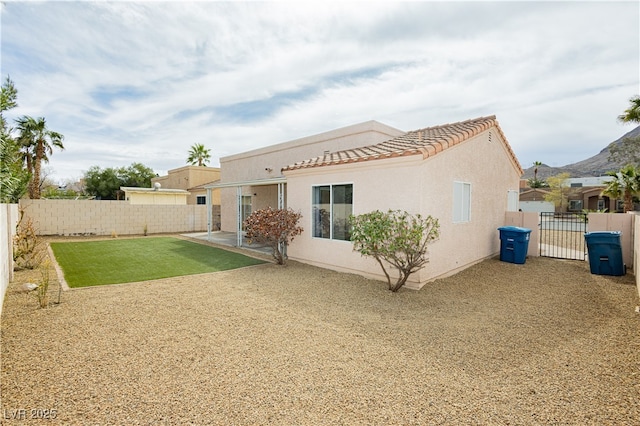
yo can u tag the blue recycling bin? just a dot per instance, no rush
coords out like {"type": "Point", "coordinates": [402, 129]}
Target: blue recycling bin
{"type": "Point", "coordinates": [605, 253]}
{"type": "Point", "coordinates": [514, 244]}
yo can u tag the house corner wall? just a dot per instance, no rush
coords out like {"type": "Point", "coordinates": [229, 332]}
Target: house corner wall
{"type": "Point", "coordinates": [9, 214]}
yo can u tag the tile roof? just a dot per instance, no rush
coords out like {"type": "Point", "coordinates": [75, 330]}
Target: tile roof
{"type": "Point", "coordinates": [426, 142]}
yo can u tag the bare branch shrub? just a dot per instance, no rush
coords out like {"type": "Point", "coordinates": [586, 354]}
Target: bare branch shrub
{"type": "Point", "coordinates": [27, 251]}
{"type": "Point", "coordinates": [276, 228]}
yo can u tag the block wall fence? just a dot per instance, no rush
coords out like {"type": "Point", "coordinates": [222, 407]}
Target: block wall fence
{"type": "Point", "coordinates": [93, 217]}
{"type": "Point", "coordinates": [79, 217]}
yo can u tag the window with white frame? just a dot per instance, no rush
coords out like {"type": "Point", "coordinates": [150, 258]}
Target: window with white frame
{"type": "Point", "coordinates": [201, 199]}
{"type": "Point", "coordinates": [461, 202]}
{"type": "Point", "coordinates": [332, 205]}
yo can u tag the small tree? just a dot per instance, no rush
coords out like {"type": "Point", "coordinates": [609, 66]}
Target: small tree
{"type": "Point", "coordinates": [558, 193]}
{"type": "Point", "coordinates": [106, 183]}
{"type": "Point", "coordinates": [276, 228]}
{"type": "Point", "coordinates": [625, 184]}
{"type": "Point", "coordinates": [537, 183]}
{"type": "Point", "coordinates": [395, 237]}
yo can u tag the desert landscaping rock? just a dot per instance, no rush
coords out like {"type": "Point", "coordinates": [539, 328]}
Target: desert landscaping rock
{"type": "Point", "coordinates": [541, 343]}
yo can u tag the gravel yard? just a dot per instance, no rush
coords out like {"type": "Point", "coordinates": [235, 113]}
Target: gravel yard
{"type": "Point", "coordinates": [497, 344]}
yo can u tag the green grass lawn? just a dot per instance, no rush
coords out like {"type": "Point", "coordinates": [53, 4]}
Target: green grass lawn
{"type": "Point", "coordinates": [90, 263]}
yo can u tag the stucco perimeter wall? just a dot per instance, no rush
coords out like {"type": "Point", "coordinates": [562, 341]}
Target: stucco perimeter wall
{"type": "Point", "coordinates": [8, 221]}
{"type": "Point", "coordinates": [415, 185]}
{"type": "Point", "coordinates": [617, 222]}
{"type": "Point", "coordinates": [625, 223]}
{"type": "Point", "coordinates": [83, 217]}
{"type": "Point", "coordinates": [528, 220]}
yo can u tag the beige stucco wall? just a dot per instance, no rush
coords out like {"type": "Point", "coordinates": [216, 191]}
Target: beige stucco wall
{"type": "Point", "coordinates": [187, 177]}
{"type": "Point", "coordinates": [417, 186]}
{"type": "Point", "coordinates": [194, 193]}
{"type": "Point", "coordinates": [8, 220]}
{"type": "Point", "coordinates": [191, 178]}
{"type": "Point", "coordinates": [156, 197]}
{"type": "Point", "coordinates": [528, 220]}
{"type": "Point", "coordinates": [253, 165]}
{"type": "Point", "coordinates": [91, 217]}
{"type": "Point", "coordinates": [617, 222]}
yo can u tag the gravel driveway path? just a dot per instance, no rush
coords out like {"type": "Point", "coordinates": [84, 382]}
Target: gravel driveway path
{"type": "Point", "coordinates": [497, 344]}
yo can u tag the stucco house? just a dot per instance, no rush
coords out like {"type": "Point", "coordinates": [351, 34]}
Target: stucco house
{"type": "Point", "coordinates": [465, 174]}
{"type": "Point", "coordinates": [253, 180]}
{"type": "Point", "coordinates": [191, 179]}
{"type": "Point", "coordinates": [155, 195]}
{"type": "Point", "coordinates": [533, 200]}
{"type": "Point", "coordinates": [587, 194]}
{"type": "Point", "coordinates": [194, 179]}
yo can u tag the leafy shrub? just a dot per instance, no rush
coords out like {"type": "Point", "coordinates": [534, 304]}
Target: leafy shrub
{"type": "Point", "coordinates": [275, 228]}
{"type": "Point", "coordinates": [397, 238]}
{"type": "Point", "coordinates": [43, 287]}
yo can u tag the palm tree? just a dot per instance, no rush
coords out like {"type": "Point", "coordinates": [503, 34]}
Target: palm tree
{"type": "Point", "coordinates": [199, 154]}
{"type": "Point", "coordinates": [36, 142]}
{"type": "Point", "coordinates": [625, 185]}
{"type": "Point", "coordinates": [536, 164]}
{"type": "Point", "coordinates": [631, 114]}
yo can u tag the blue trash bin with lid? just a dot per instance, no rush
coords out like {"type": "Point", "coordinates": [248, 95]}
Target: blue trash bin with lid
{"type": "Point", "coordinates": [514, 244]}
{"type": "Point", "coordinates": [605, 253]}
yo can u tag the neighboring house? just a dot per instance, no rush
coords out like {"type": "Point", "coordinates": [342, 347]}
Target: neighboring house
{"type": "Point", "coordinates": [586, 194]}
{"type": "Point", "coordinates": [532, 200]}
{"type": "Point", "coordinates": [155, 195]}
{"type": "Point", "coordinates": [582, 194]}
{"type": "Point", "coordinates": [192, 179]}
{"type": "Point", "coordinates": [464, 174]}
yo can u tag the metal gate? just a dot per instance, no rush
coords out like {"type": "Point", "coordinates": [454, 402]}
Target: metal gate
{"type": "Point", "coordinates": [562, 235]}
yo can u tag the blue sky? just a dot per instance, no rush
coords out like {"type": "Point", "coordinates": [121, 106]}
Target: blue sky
{"type": "Point", "coordinates": [143, 81]}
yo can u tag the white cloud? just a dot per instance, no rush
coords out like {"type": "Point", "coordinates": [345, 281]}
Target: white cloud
{"type": "Point", "coordinates": [144, 81]}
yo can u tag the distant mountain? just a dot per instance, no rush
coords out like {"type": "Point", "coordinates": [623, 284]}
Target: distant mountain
{"type": "Point", "coordinates": [598, 165]}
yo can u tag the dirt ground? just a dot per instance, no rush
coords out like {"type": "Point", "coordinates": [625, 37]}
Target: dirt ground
{"type": "Point", "coordinates": [545, 342]}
